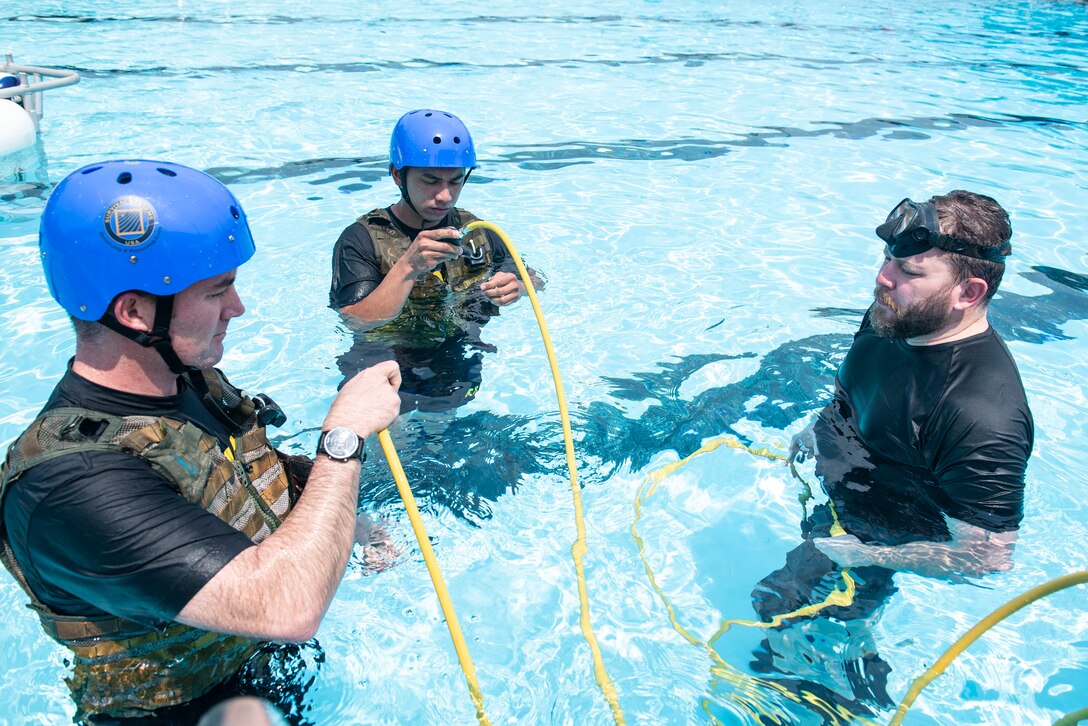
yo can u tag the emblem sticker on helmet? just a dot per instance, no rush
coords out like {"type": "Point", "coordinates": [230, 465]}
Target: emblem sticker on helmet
{"type": "Point", "coordinates": [130, 221]}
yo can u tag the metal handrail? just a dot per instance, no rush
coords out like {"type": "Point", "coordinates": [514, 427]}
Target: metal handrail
{"type": "Point", "coordinates": [29, 91]}
{"type": "Point", "coordinates": [60, 78]}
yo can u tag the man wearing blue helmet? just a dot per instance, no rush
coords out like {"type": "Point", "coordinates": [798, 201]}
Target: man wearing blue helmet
{"type": "Point", "coordinates": [411, 250]}
{"type": "Point", "coordinates": [404, 273]}
{"type": "Point", "coordinates": [157, 532]}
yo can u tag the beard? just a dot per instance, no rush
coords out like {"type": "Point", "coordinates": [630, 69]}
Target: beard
{"type": "Point", "coordinates": [894, 322]}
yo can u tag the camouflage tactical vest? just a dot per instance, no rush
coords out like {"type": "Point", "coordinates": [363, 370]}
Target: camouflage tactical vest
{"type": "Point", "coordinates": [122, 668]}
{"type": "Point", "coordinates": [390, 244]}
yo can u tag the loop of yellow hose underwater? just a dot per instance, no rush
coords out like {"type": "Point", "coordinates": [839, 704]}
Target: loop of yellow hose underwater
{"type": "Point", "coordinates": [839, 597]}
{"type": "Point", "coordinates": [754, 701]}
{"type": "Point", "coordinates": [842, 598]}
{"type": "Point", "coordinates": [579, 549]}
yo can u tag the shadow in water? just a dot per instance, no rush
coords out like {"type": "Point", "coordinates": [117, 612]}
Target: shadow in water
{"type": "Point", "coordinates": [791, 380]}
{"type": "Point", "coordinates": [460, 463]}
{"type": "Point", "coordinates": [353, 174]}
{"type": "Point", "coordinates": [1039, 318]}
{"type": "Point", "coordinates": [464, 463]}
{"type": "Point", "coordinates": [24, 174]}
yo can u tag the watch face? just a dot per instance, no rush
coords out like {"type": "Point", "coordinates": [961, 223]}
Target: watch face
{"type": "Point", "coordinates": [341, 443]}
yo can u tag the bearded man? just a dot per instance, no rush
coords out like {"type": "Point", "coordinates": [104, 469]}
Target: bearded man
{"type": "Point", "coordinates": [922, 452]}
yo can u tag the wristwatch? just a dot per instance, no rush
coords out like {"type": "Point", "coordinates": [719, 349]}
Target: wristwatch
{"type": "Point", "coordinates": [341, 444]}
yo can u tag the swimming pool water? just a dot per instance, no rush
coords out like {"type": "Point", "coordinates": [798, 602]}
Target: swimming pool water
{"type": "Point", "coordinates": [699, 183]}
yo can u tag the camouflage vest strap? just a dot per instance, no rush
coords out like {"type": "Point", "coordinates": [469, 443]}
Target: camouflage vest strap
{"type": "Point", "coordinates": [390, 244]}
{"type": "Point", "coordinates": [179, 451]}
{"type": "Point", "coordinates": [123, 668]}
{"type": "Point", "coordinates": [225, 395]}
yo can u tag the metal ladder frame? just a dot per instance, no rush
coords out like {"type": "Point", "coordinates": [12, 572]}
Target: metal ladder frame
{"type": "Point", "coordinates": [28, 93]}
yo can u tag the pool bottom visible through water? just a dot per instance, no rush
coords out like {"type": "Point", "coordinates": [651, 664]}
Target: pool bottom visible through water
{"type": "Point", "coordinates": [699, 187]}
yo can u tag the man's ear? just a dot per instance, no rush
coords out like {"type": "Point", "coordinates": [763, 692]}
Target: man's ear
{"type": "Point", "coordinates": [396, 174]}
{"type": "Point", "coordinates": [135, 310]}
{"type": "Point", "coordinates": [972, 292]}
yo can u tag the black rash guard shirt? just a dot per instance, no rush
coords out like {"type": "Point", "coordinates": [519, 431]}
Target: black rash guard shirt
{"type": "Point", "coordinates": [917, 433]}
{"type": "Point", "coordinates": [356, 270]}
{"type": "Point", "coordinates": [101, 533]}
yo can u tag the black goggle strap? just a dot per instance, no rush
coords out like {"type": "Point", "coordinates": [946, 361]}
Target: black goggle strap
{"type": "Point", "coordinates": [913, 228]}
{"type": "Point", "coordinates": [952, 244]}
{"type": "Point", "coordinates": [159, 336]}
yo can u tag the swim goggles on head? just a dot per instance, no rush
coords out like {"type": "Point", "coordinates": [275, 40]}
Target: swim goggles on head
{"type": "Point", "coordinates": [912, 228]}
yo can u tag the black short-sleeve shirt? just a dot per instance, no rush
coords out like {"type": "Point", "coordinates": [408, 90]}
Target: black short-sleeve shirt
{"type": "Point", "coordinates": [917, 433]}
{"type": "Point", "coordinates": [101, 533]}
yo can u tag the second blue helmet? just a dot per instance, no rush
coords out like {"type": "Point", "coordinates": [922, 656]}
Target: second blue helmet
{"type": "Point", "coordinates": [427, 137]}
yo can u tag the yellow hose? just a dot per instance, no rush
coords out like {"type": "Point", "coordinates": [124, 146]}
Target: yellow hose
{"type": "Point", "coordinates": [1060, 583]}
{"type": "Point", "coordinates": [751, 692]}
{"type": "Point", "coordinates": [845, 597]}
{"type": "Point", "coordinates": [837, 597]}
{"type": "Point", "coordinates": [1072, 719]}
{"type": "Point", "coordinates": [436, 574]}
{"type": "Point", "coordinates": [579, 549]}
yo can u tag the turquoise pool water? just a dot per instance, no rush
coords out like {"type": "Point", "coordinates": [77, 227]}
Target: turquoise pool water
{"type": "Point", "coordinates": [699, 183]}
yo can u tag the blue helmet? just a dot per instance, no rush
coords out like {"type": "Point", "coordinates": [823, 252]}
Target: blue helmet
{"type": "Point", "coordinates": [151, 226]}
{"type": "Point", "coordinates": [431, 138]}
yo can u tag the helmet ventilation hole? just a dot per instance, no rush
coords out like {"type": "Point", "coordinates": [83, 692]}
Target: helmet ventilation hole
{"type": "Point", "coordinates": [234, 211]}
{"type": "Point", "coordinates": [166, 172]}
{"type": "Point", "coordinates": [456, 139]}
{"type": "Point", "coordinates": [437, 139]}
{"type": "Point", "coordinates": [89, 170]}
{"type": "Point", "coordinates": [124, 178]}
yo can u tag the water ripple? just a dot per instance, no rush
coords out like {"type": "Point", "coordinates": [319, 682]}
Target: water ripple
{"type": "Point", "coordinates": [366, 171]}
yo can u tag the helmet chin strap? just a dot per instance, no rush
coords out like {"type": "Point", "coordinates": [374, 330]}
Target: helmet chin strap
{"type": "Point", "coordinates": [159, 336]}
{"type": "Point", "coordinates": [404, 192]}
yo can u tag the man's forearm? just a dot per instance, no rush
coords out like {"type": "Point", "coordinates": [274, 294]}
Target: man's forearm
{"type": "Point", "coordinates": [972, 552]}
{"type": "Point", "coordinates": [384, 303]}
{"type": "Point", "coordinates": [937, 559]}
{"type": "Point", "coordinates": [280, 589]}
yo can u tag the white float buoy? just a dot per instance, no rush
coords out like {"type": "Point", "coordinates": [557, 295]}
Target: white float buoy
{"type": "Point", "coordinates": [16, 127]}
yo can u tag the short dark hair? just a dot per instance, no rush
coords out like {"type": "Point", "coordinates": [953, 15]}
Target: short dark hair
{"type": "Point", "coordinates": [86, 330]}
{"type": "Point", "coordinates": [979, 220]}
